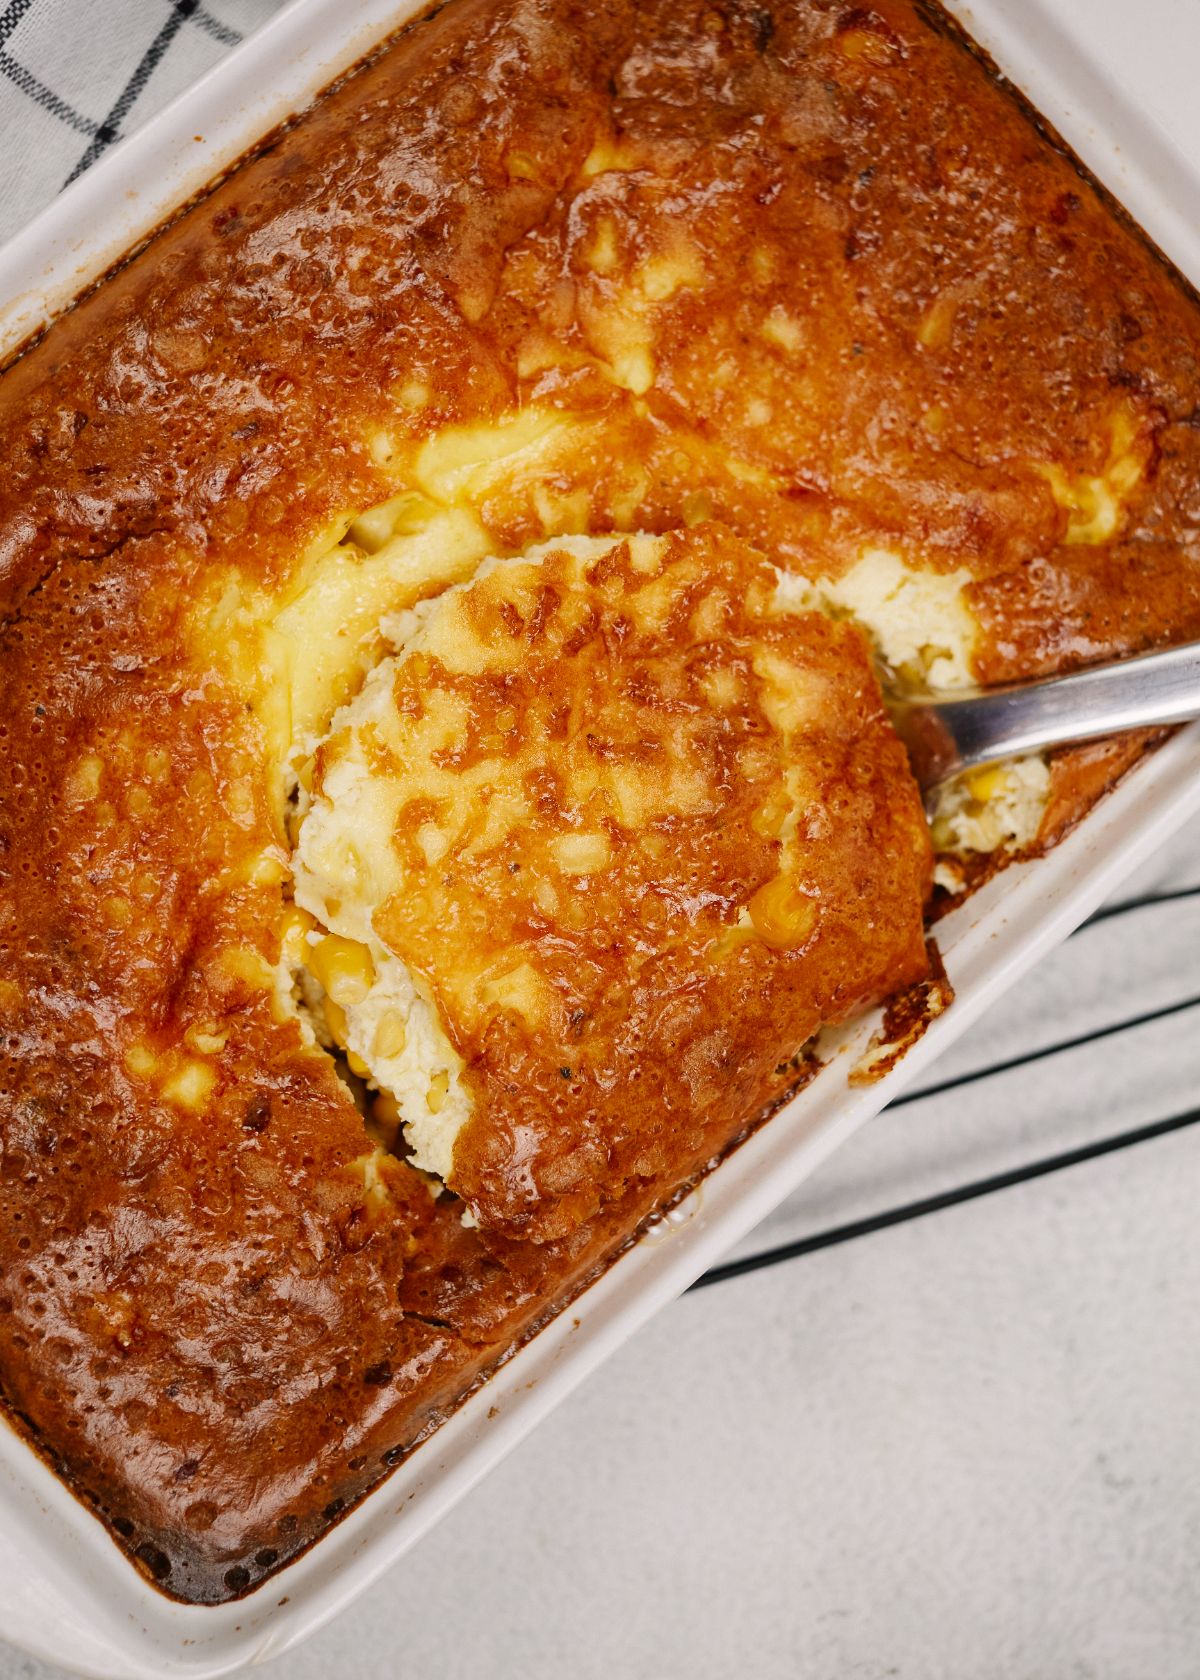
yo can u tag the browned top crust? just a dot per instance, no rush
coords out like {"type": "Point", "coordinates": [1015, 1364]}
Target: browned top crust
{"type": "Point", "coordinates": [792, 265]}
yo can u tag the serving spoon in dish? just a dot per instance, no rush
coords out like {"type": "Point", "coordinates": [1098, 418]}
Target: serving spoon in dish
{"type": "Point", "coordinates": [948, 732]}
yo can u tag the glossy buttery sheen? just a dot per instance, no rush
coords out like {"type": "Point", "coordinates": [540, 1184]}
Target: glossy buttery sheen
{"type": "Point", "coordinates": [798, 280]}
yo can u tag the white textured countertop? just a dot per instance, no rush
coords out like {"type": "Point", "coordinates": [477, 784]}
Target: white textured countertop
{"type": "Point", "coordinates": [964, 1444]}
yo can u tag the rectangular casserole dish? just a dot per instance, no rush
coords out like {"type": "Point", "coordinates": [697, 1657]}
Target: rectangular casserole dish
{"type": "Point", "coordinates": [68, 1595]}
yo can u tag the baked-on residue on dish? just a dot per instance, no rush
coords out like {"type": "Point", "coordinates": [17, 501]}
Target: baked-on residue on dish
{"type": "Point", "coordinates": [779, 319]}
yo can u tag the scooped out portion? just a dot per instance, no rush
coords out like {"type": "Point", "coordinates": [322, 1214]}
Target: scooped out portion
{"type": "Point", "coordinates": [593, 854]}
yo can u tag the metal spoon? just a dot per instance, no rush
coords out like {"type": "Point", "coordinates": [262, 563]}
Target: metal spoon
{"type": "Point", "coordinates": [952, 731]}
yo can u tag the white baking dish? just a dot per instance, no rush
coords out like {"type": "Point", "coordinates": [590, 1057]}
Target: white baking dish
{"type": "Point", "coordinates": [66, 1593]}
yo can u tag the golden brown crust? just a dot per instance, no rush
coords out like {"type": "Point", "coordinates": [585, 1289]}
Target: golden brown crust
{"type": "Point", "coordinates": [872, 306]}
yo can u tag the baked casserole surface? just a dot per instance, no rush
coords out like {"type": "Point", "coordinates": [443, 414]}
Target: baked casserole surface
{"type": "Point", "coordinates": [445, 785]}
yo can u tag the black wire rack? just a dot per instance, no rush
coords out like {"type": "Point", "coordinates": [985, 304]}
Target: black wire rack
{"type": "Point", "coordinates": [1135, 918]}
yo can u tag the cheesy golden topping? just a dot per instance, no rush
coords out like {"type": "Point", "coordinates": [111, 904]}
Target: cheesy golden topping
{"type": "Point", "coordinates": [604, 757]}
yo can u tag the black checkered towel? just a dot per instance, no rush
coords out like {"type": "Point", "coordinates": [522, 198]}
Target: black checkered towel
{"type": "Point", "coordinates": [77, 75]}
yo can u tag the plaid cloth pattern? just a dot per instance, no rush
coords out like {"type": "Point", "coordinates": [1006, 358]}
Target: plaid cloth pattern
{"type": "Point", "coordinates": [78, 75]}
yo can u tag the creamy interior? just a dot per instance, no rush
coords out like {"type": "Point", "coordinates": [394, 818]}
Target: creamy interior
{"type": "Point", "coordinates": [382, 1014]}
{"type": "Point", "coordinates": [918, 621]}
{"type": "Point", "coordinates": [924, 630]}
{"type": "Point", "coordinates": [999, 806]}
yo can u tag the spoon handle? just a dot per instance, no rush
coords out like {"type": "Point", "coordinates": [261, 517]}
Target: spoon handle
{"type": "Point", "coordinates": [949, 732]}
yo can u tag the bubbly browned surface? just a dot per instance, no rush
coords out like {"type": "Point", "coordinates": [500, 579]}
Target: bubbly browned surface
{"type": "Point", "coordinates": [795, 265]}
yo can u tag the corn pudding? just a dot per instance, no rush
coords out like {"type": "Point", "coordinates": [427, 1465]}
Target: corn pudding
{"type": "Point", "coordinates": [444, 787]}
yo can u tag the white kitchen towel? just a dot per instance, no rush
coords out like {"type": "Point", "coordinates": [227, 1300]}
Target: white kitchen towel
{"type": "Point", "coordinates": [78, 75]}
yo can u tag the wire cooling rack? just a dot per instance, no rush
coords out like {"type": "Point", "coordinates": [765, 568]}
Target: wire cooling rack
{"type": "Point", "coordinates": [1097, 1052]}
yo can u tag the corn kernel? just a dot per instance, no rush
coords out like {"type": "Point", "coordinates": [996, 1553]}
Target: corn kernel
{"type": "Point", "coordinates": [635, 371]}
{"type": "Point", "coordinates": [190, 1086]}
{"type": "Point", "coordinates": [1095, 505]}
{"type": "Point", "coordinates": [520, 990]}
{"type": "Point", "coordinates": [266, 868]}
{"type": "Point", "coordinates": [293, 928]}
{"type": "Point", "coordinates": [243, 962]}
{"type": "Point", "coordinates": [781, 330]}
{"type": "Point", "coordinates": [205, 1041]}
{"type": "Point", "coordinates": [602, 257]}
{"type": "Point", "coordinates": [383, 1120]}
{"type": "Point", "coordinates": [722, 689]}
{"type": "Point", "coordinates": [770, 817]}
{"type": "Point", "coordinates": [661, 277]}
{"type": "Point", "coordinates": [375, 1190]}
{"type": "Point", "coordinates": [343, 967]}
{"type": "Point", "coordinates": [140, 1060]}
{"type": "Point", "coordinates": [199, 787]}
{"type": "Point", "coordinates": [83, 783]}
{"type": "Point", "coordinates": [382, 447]}
{"type": "Point", "coordinates": [239, 802]}
{"type": "Point", "coordinates": [521, 167]}
{"type": "Point", "coordinates": [986, 784]}
{"type": "Point", "coordinates": [439, 1085]}
{"type": "Point", "coordinates": [606, 156]}
{"type": "Point", "coordinates": [356, 1064]}
{"type": "Point", "coordinates": [545, 897]}
{"type": "Point", "coordinates": [709, 617]}
{"type": "Point", "coordinates": [537, 353]}
{"type": "Point", "coordinates": [937, 323]}
{"type": "Point", "coordinates": [782, 915]}
{"type": "Point", "coordinates": [118, 912]}
{"type": "Point", "coordinates": [868, 46]}
{"type": "Point", "coordinates": [146, 884]}
{"type": "Point", "coordinates": [626, 495]}
{"type": "Point", "coordinates": [391, 1035]}
{"type": "Point", "coordinates": [474, 300]}
{"type": "Point", "coordinates": [580, 854]}
{"type": "Point", "coordinates": [433, 841]}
